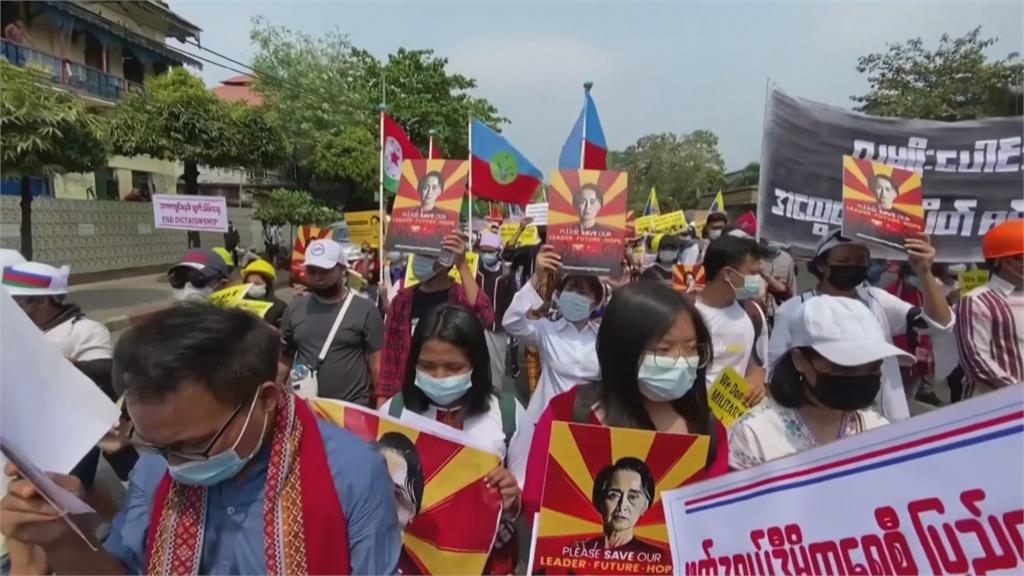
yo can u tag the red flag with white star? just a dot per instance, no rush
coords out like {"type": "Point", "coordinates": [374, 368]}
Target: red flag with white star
{"type": "Point", "coordinates": [396, 148]}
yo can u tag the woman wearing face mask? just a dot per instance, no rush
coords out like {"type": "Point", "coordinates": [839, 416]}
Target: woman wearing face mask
{"type": "Point", "coordinates": [653, 348]}
{"type": "Point", "coordinates": [565, 340]}
{"type": "Point", "coordinates": [448, 380]}
{"type": "Point", "coordinates": [841, 266]}
{"type": "Point", "coordinates": [822, 389]}
{"type": "Point", "coordinates": [667, 250]}
{"type": "Point", "coordinates": [261, 275]}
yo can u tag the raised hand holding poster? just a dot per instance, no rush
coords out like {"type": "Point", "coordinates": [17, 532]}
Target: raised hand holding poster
{"type": "Point", "coordinates": [427, 205]}
{"type": "Point", "coordinates": [881, 203]}
{"type": "Point", "coordinates": [587, 220]}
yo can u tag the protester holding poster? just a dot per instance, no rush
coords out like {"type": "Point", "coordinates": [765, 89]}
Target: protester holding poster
{"type": "Point", "coordinates": [587, 220]}
{"type": "Point", "coordinates": [653, 349]}
{"type": "Point", "coordinates": [448, 380]}
{"type": "Point", "coordinates": [841, 266]}
{"type": "Point", "coordinates": [881, 203]}
{"type": "Point", "coordinates": [565, 335]}
{"type": "Point", "coordinates": [822, 389]}
{"type": "Point", "coordinates": [427, 205]}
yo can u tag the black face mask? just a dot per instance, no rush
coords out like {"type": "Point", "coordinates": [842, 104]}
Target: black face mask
{"type": "Point", "coordinates": [846, 393]}
{"type": "Point", "coordinates": [327, 292]}
{"type": "Point", "coordinates": [847, 276]}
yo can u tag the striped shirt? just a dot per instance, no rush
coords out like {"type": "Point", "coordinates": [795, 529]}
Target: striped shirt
{"type": "Point", "coordinates": [990, 336]}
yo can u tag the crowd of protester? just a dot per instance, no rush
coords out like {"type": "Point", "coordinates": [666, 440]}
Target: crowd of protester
{"type": "Point", "coordinates": [229, 471]}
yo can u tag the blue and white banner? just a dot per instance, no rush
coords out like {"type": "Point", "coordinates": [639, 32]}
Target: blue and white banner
{"type": "Point", "coordinates": [941, 493]}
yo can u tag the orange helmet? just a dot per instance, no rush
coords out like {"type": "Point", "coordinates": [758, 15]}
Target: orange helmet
{"type": "Point", "coordinates": [1004, 241]}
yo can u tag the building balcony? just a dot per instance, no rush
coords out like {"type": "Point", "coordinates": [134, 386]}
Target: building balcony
{"type": "Point", "coordinates": [73, 75]}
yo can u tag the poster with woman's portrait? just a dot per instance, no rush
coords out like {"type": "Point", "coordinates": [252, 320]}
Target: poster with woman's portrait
{"type": "Point", "coordinates": [587, 220]}
{"type": "Point", "coordinates": [427, 205]}
{"type": "Point", "coordinates": [881, 203]}
{"type": "Point", "coordinates": [449, 517]}
{"type": "Point", "coordinates": [601, 510]}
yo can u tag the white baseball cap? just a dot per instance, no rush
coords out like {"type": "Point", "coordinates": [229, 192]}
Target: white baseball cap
{"type": "Point", "coordinates": [9, 257]}
{"type": "Point", "coordinates": [843, 330]}
{"type": "Point", "coordinates": [36, 279]}
{"type": "Point", "coordinates": [325, 253]}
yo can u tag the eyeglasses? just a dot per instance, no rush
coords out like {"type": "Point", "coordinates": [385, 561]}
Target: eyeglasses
{"type": "Point", "coordinates": [187, 455]}
{"type": "Point", "coordinates": [669, 358]}
{"type": "Point", "coordinates": [197, 278]}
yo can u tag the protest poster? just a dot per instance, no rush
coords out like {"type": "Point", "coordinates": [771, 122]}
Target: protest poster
{"type": "Point", "coordinates": [437, 480]}
{"type": "Point", "coordinates": [937, 493]}
{"type": "Point", "coordinates": [257, 307]}
{"type": "Point", "coordinates": [726, 397]}
{"type": "Point", "coordinates": [194, 213]}
{"type": "Point", "coordinates": [529, 237]}
{"type": "Point", "coordinates": [587, 220]}
{"type": "Point", "coordinates": [881, 203]}
{"type": "Point", "coordinates": [971, 169]}
{"type": "Point", "coordinates": [601, 509]}
{"type": "Point", "coordinates": [688, 277]}
{"type": "Point", "coordinates": [645, 225]}
{"type": "Point", "coordinates": [364, 227]}
{"type": "Point", "coordinates": [230, 296]}
{"type": "Point", "coordinates": [538, 211]}
{"type": "Point", "coordinates": [427, 205]}
{"type": "Point", "coordinates": [472, 258]}
{"type": "Point", "coordinates": [671, 223]}
{"type": "Point", "coordinates": [971, 279]}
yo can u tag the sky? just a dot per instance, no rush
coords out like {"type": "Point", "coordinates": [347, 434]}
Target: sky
{"type": "Point", "coordinates": [656, 66]}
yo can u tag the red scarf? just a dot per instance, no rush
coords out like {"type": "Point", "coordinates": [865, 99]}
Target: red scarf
{"type": "Point", "coordinates": [305, 530]}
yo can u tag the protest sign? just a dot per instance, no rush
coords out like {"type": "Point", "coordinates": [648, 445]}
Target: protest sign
{"type": "Point", "coordinates": [645, 224]}
{"type": "Point", "coordinates": [427, 205]}
{"type": "Point", "coordinates": [937, 493]}
{"type": "Point", "coordinates": [726, 397]}
{"type": "Point", "coordinates": [364, 227]}
{"type": "Point", "coordinates": [601, 509]}
{"type": "Point", "coordinates": [671, 223]}
{"type": "Point", "coordinates": [587, 220]}
{"type": "Point", "coordinates": [448, 514]}
{"type": "Point", "coordinates": [472, 258]}
{"type": "Point", "coordinates": [196, 213]}
{"type": "Point", "coordinates": [529, 237]}
{"type": "Point", "coordinates": [971, 279]}
{"type": "Point", "coordinates": [538, 211]}
{"type": "Point", "coordinates": [257, 307]}
{"type": "Point", "coordinates": [881, 203]}
{"type": "Point", "coordinates": [971, 170]}
{"type": "Point", "coordinates": [687, 277]}
{"type": "Point", "coordinates": [230, 296]}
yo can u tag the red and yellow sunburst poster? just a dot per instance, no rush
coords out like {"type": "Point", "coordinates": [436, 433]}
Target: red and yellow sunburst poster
{"type": "Point", "coordinates": [587, 220]}
{"type": "Point", "coordinates": [450, 516]}
{"type": "Point", "coordinates": [881, 203]}
{"type": "Point", "coordinates": [427, 205]}
{"type": "Point", "coordinates": [686, 277]}
{"type": "Point", "coordinates": [601, 511]}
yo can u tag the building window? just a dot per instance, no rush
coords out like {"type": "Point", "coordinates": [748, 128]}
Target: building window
{"type": "Point", "coordinates": [106, 185]}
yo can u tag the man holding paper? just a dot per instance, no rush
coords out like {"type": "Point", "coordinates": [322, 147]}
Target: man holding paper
{"type": "Point", "coordinates": [236, 477]}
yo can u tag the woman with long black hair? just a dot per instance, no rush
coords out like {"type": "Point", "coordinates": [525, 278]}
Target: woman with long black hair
{"type": "Point", "coordinates": [653, 348]}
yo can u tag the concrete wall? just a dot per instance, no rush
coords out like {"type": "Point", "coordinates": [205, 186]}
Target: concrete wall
{"type": "Point", "coordinates": [100, 236]}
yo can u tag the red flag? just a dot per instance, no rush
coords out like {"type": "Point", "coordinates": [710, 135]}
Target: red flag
{"type": "Point", "coordinates": [435, 148]}
{"type": "Point", "coordinates": [396, 148]}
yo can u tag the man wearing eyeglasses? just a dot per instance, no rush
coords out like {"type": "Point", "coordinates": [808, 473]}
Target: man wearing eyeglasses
{"type": "Point", "coordinates": [237, 476]}
{"type": "Point", "coordinates": [200, 273]}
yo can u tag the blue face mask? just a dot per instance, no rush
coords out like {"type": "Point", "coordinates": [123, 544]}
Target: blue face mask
{"type": "Point", "coordinates": [575, 307]}
{"type": "Point", "coordinates": [423, 267]}
{"type": "Point", "coordinates": [664, 383]}
{"type": "Point", "coordinates": [444, 391]}
{"type": "Point", "coordinates": [489, 259]}
{"type": "Point", "coordinates": [219, 467]}
{"type": "Point", "coordinates": [751, 287]}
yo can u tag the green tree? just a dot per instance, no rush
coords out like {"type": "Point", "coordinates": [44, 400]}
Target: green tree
{"type": "Point", "coordinates": [956, 81]}
{"type": "Point", "coordinates": [43, 132]}
{"type": "Point", "coordinates": [294, 208]}
{"type": "Point", "coordinates": [748, 176]}
{"type": "Point", "coordinates": [679, 167]}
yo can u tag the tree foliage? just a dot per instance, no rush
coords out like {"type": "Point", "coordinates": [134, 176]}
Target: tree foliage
{"type": "Point", "coordinates": [956, 81]}
{"type": "Point", "coordinates": [680, 167]}
{"type": "Point", "coordinates": [293, 207]}
{"type": "Point", "coordinates": [748, 176]}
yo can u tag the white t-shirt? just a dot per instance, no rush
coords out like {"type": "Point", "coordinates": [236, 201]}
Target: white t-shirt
{"type": "Point", "coordinates": [732, 338]}
{"type": "Point", "coordinates": [82, 340]}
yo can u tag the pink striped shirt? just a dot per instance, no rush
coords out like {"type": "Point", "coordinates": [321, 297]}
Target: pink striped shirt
{"type": "Point", "coordinates": [990, 336]}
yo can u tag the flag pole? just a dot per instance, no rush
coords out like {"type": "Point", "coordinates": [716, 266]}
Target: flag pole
{"type": "Point", "coordinates": [380, 193]}
{"type": "Point", "coordinates": [430, 143]}
{"type": "Point", "coordinates": [470, 186]}
{"type": "Point", "coordinates": [586, 104]}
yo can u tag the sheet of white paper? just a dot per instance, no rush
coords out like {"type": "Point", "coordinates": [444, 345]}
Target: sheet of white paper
{"type": "Point", "coordinates": [50, 411]}
{"type": "Point", "coordinates": [60, 498]}
{"type": "Point", "coordinates": [539, 213]}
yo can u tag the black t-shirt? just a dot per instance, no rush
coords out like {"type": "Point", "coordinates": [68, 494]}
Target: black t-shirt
{"type": "Point", "coordinates": [657, 273]}
{"type": "Point", "coordinates": [423, 302]}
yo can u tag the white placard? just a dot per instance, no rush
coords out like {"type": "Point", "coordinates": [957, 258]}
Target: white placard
{"type": "Point", "coordinates": [198, 213]}
{"type": "Point", "coordinates": [539, 213]}
{"type": "Point", "coordinates": [938, 493]}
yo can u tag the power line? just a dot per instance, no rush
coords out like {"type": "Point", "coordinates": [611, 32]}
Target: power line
{"type": "Point", "coordinates": [214, 52]}
{"type": "Point", "coordinates": [208, 61]}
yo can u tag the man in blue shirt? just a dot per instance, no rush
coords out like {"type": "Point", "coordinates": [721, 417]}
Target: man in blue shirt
{"type": "Point", "coordinates": [237, 476]}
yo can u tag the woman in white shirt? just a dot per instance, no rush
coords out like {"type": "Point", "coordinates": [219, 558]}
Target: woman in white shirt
{"type": "Point", "coordinates": [448, 380]}
{"type": "Point", "coordinates": [565, 339]}
{"type": "Point", "coordinates": [822, 388]}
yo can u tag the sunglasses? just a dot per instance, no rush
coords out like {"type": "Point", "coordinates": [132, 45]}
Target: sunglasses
{"type": "Point", "coordinates": [180, 276]}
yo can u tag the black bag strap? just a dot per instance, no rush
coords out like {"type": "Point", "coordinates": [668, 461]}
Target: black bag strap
{"type": "Point", "coordinates": [507, 407]}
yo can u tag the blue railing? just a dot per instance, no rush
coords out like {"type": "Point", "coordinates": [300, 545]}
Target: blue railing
{"type": "Point", "coordinates": [78, 76]}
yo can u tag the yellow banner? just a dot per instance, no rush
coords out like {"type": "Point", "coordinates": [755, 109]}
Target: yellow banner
{"type": "Point", "coordinates": [471, 257]}
{"type": "Point", "coordinates": [364, 227]}
{"type": "Point", "coordinates": [971, 279]}
{"type": "Point", "coordinates": [671, 223]}
{"type": "Point", "coordinates": [726, 397]}
{"type": "Point", "coordinates": [529, 237]}
{"type": "Point", "coordinates": [257, 307]}
{"type": "Point", "coordinates": [229, 296]}
{"type": "Point", "coordinates": [644, 225]}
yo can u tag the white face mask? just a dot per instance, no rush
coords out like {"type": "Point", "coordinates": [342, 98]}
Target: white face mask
{"type": "Point", "coordinates": [714, 234]}
{"type": "Point", "coordinates": [190, 293]}
{"type": "Point", "coordinates": [667, 256]}
{"type": "Point", "coordinates": [257, 291]}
